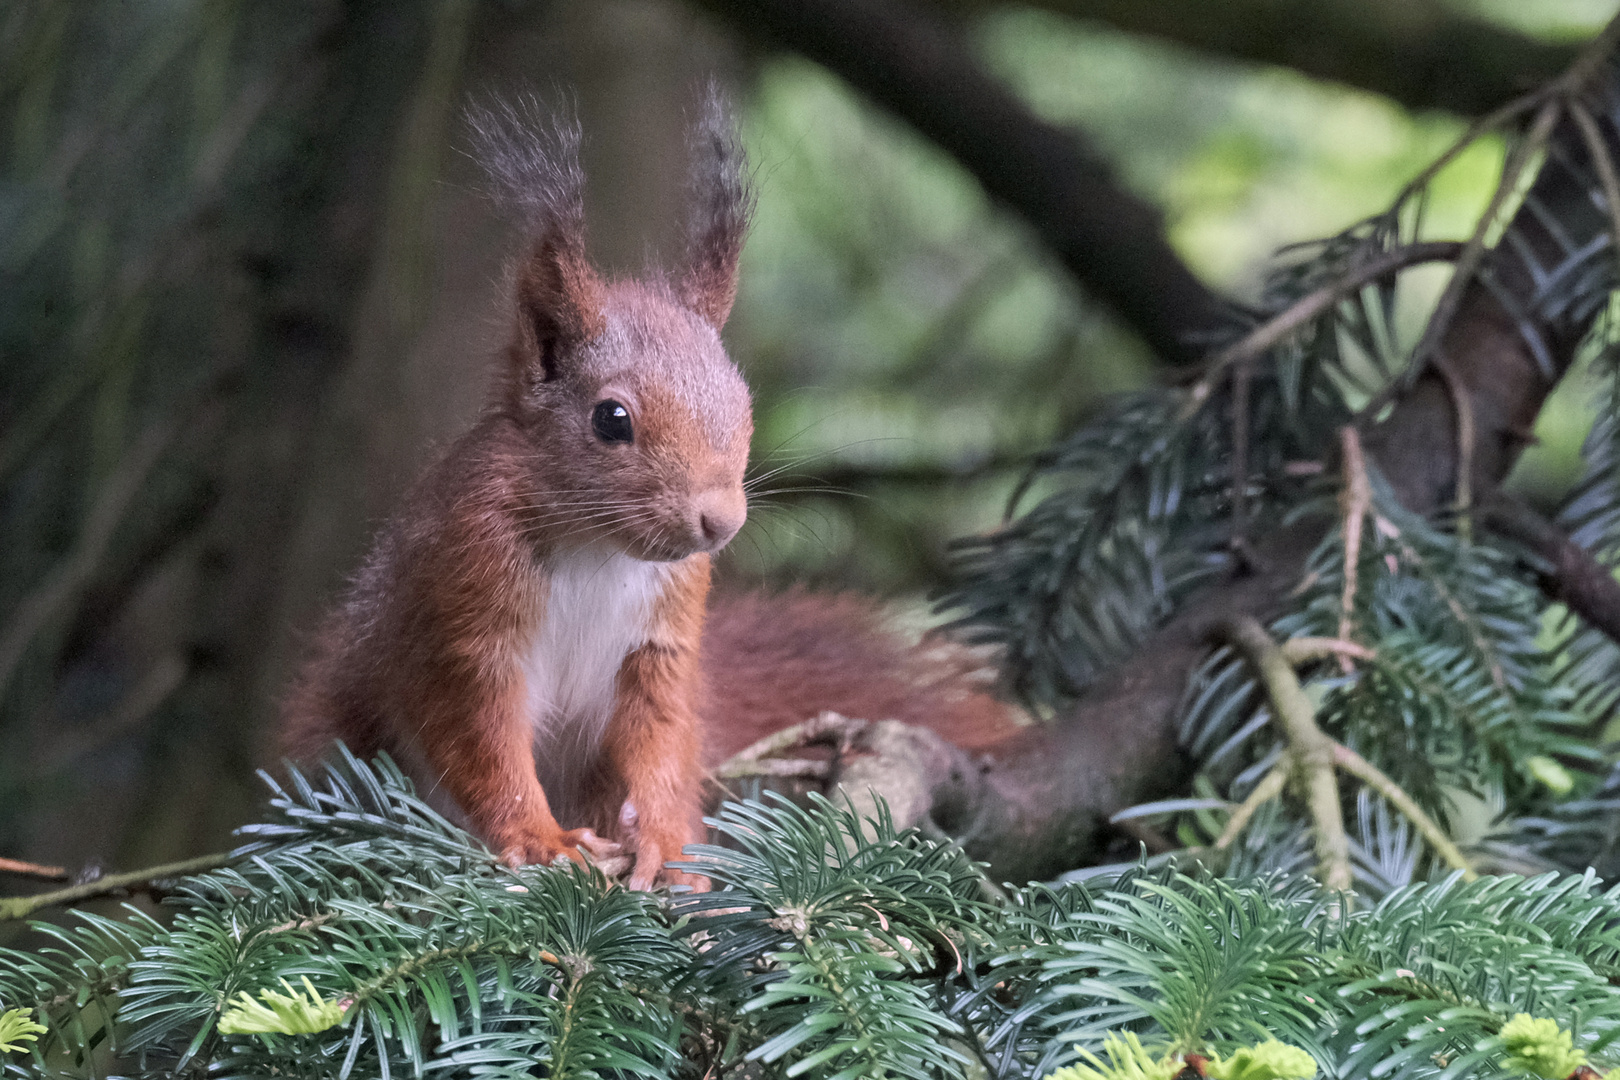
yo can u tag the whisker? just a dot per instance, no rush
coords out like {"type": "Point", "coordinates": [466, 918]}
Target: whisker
{"type": "Point", "coordinates": [807, 490]}
{"type": "Point", "coordinates": [762, 477]}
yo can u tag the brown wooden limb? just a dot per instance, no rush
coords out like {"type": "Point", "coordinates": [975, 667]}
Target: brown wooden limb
{"type": "Point", "coordinates": [1425, 54]}
{"type": "Point", "coordinates": [20, 907]}
{"type": "Point", "coordinates": [1567, 573]}
{"type": "Point", "coordinates": [911, 63]}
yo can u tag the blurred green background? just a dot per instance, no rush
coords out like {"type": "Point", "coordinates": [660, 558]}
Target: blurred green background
{"type": "Point", "coordinates": [248, 284]}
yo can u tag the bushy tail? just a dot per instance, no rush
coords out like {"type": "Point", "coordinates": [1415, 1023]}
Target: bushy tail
{"type": "Point", "coordinates": [771, 661]}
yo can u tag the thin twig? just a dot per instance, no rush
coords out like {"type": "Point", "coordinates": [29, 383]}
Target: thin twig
{"type": "Point", "coordinates": [1591, 58]}
{"type": "Point", "coordinates": [1468, 619]}
{"type": "Point", "coordinates": [1474, 251]}
{"type": "Point", "coordinates": [1309, 306]}
{"type": "Point", "coordinates": [1269, 787]}
{"type": "Point", "coordinates": [1598, 150]}
{"type": "Point", "coordinates": [20, 907]}
{"type": "Point", "coordinates": [1356, 500]}
{"type": "Point", "coordinates": [777, 768]}
{"type": "Point", "coordinates": [33, 870]}
{"type": "Point", "coordinates": [1304, 650]}
{"type": "Point", "coordinates": [1310, 751]}
{"type": "Point", "coordinates": [1463, 405]}
{"type": "Point", "coordinates": [1375, 778]}
{"type": "Point", "coordinates": [1485, 124]}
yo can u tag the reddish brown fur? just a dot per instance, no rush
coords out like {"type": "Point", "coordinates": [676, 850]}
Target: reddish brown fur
{"type": "Point", "coordinates": [450, 652]}
{"type": "Point", "coordinates": [770, 661]}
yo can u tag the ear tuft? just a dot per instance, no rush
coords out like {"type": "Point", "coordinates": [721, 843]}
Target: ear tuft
{"type": "Point", "coordinates": [531, 156]}
{"type": "Point", "coordinates": [722, 201]}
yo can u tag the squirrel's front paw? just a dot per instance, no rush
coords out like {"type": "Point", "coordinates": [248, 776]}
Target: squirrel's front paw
{"type": "Point", "coordinates": [653, 848]}
{"type": "Point", "coordinates": [545, 847]}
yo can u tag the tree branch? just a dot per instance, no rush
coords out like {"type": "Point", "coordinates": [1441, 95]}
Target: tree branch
{"type": "Point", "coordinates": [1047, 790]}
{"type": "Point", "coordinates": [1375, 778]}
{"type": "Point", "coordinates": [917, 68]}
{"type": "Point", "coordinates": [1567, 572]}
{"type": "Point", "coordinates": [1309, 751]}
{"type": "Point", "coordinates": [20, 907]}
{"type": "Point", "coordinates": [1422, 53]}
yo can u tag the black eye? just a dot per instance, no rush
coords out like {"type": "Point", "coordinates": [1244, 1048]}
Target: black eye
{"type": "Point", "coordinates": [611, 422]}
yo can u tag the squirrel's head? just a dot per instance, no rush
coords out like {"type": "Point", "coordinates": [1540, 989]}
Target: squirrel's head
{"type": "Point", "coordinates": [638, 422]}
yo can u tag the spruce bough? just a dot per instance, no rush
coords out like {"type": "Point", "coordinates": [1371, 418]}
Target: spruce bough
{"type": "Point", "coordinates": [359, 935]}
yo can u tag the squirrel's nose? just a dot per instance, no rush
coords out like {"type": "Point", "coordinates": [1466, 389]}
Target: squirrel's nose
{"type": "Point", "coordinates": [720, 513]}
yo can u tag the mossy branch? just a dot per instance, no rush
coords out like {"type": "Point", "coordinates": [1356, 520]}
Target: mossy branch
{"type": "Point", "coordinates": [1309, 751]}
{"type": "Point", "coordinates": [21, 907]}
{"type": "Point", "coordinates": [1311, 757]}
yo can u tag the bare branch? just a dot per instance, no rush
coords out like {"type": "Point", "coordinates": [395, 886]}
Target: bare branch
{"type": "Point", "coordinates": [1308, 307]}
{"type": "Point", "coordinates": [1426, 54]}
{"type": "Point", "coordinates": [1375, 778]}
{"type": "Point", "coordinates": [1311, 752]}
{"type": "Point", "coordinates": [913, 65]}
{"type": "Point", "coordinates": [1269, 787]}
{"type": "Point", "coordinates": [1568, 572]}
{"type": "Point", "coordinates": [20, 907]}
{"type": "Point", "coordinates": [33, 870]}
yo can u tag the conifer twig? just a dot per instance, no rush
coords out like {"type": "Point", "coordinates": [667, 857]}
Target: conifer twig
{"type": "Point", "coordinates": [1598, 150]}
{"type": "Point", "coordinates": [1370, 774]}
{"type": "Point", "coordinates": [20, 907]}
{"type": "Point", "coordinates": [1310, 750]}
{"type": "Point", "coordinates": [1269, 787]}
{"type": "Point", "coordinates": [1304, 650]}
{"type": "Point", "coordinates": [1312, 755]}
{"type": "Point", "coordinates": [1356, 500]}
{"type": "Point", "coordinates": [33, 870]}
{"type": "Point", "coordinates": [1309, 306]}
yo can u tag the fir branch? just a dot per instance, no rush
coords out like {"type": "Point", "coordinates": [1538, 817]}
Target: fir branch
{"type": "Point", "coordinates": [21, 907]}
{"type": "Point", "coordinates": [1310, 751]}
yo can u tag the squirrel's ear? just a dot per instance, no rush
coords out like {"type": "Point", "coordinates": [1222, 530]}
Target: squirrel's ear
{"type": "Point", "coordinates": [532, 158]}
{"type": "Point", "coordinates": [721, 203]}
{"type": "Point", "coordinates": [559, 298]}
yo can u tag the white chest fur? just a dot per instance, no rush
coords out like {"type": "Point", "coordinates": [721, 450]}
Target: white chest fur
{"type": "Point", "coordinates": [597, 610]}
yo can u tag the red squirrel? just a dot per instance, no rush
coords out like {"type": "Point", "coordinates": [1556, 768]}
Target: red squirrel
{"type": "Point", "coordinates": [526, 637]}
